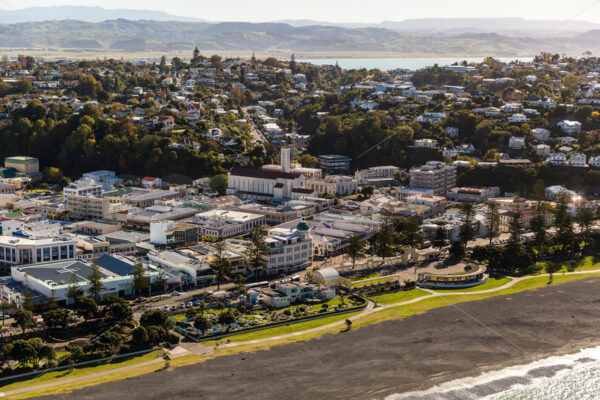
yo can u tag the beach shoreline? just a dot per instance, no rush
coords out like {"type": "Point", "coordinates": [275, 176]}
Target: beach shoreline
{"type": "Point", "coordinates": [390, 357]}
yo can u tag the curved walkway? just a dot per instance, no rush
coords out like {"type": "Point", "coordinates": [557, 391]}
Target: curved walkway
{"type": "Point", "coordinates": [368, 310]}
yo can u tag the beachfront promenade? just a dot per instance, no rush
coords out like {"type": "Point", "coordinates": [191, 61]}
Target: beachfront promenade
{"type": "Point", "coordinates": [200, 350]}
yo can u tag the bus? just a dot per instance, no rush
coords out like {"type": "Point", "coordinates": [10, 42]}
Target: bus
{"type": "Point", "coordinates": [256, 285]}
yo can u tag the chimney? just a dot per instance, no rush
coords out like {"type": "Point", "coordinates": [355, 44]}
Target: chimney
{"type": "Point", "coordinates": [285, 159]}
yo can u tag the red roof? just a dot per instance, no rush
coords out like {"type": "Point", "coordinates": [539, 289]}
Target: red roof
{"type": "Point", "coordinates": [149, 179]}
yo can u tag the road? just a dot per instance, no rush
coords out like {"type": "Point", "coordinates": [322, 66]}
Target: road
{"type": "Point", "coordinates": [254, 131]}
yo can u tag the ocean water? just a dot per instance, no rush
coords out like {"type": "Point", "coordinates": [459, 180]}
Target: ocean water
{"type": "Point", "coordinates": [569, 377]}
{"type": "Point", "coordinates": [404, 63]}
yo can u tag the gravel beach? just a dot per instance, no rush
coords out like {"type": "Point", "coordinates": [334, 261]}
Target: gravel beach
{"type": "Point", "coordinates": [396, 356]}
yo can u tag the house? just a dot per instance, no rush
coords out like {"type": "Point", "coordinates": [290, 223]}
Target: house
{"type": "Point", "coordinates": [530, 78]}
{"type": "Point", "coordinates": [567, 140]}
{"type": "Point", "coordinates": [451, 131]}
{"type": "Point", "coordinates": [517, 118]}
{"type": "Point", "coordinates": [543, 102]}
{"type": "Point", "coordinates": [570, 127]}
{"type": "Point", "coordinates": [167, 121]}
{"type": "Point", "coordinates": [426, 143]}
{"type": "Point", "coordinates": [540, 134]}
{"type": "Point", "coordinates": [595, 162]}
{"type": "Point", "coordinates": [465, 148]}
{"type": "Point", "coordinates": [578, 160]}
{"type": "Point", "coordinates": [516, 142]}
{"type": "Point", "coordinates": [555, 192]}
{"type": "Point", "coordinates": [557, 159]}
{"type": "Point", "coordinates": [542, 149]}
{"type": "Point", "coordinates": [150, 181]}
{"type": "Point", "coordinates": [431, 117]}
{"type": "Point", "coordinates": [510, 108]}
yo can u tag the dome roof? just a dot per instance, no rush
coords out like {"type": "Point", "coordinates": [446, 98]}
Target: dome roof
{"type": "Point", "coordinates": [302, 226]}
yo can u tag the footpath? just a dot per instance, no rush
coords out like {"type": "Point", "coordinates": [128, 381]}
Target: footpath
{"type": "Point", "coordinates": [185, 349]}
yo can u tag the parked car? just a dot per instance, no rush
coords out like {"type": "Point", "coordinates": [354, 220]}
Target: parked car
{"type": "Point", "coordinates": [166, 308]}
{"type": "Point", "coordinates": [175, 293]}
{"type": "Point", "coordinates": [189, 304]}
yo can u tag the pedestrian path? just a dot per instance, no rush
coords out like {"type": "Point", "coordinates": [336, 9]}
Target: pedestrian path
{"type": "Point", "coordinates": [371, 308]}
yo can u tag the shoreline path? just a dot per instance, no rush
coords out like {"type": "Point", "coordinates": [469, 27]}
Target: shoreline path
{"type": "Point", "coordinates": [181, 351]}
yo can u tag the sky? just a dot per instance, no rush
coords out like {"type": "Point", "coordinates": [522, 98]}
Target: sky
{"type": "Point", "coordinates": [367, 11]}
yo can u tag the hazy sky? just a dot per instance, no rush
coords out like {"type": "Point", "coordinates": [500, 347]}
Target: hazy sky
{"type": "Point", "coordinates": [345, 10]}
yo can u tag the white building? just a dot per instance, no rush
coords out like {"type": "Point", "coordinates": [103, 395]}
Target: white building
{"type": "Point", "coordinates": [268, 184]}
{"type": "Point", "coordinates": [426, 143]}
{"type": "Point", "coordinates": [510, 108]}
{"type": "Point", "coordinates": [339, 185]}
{"type": "Point", "coordinates": [15, 250]}
{"type": "Point", "coordinates": [553, 193]}
{"type": "Point", "coordinates": [542, 149]}
{"type": "Point", "coordinates": [557, 159]}
{"type": "Point", "coordinates": [366, 176]}
{"type": "Point", "coordinates": [516, 142]}
{"type": "Point", "coordinates": [451, 131]}
{"type": "Point", "coordinates": [431, 117]}
{"type": "Point", "coordinates": [54, 278]}
{"type": "Point", "coordinates": [595, 162]}
{"type": "Point", "coordinates": [220, 224]}
{"type": "Point", "coordinates": [578, 160]}
{"type": "Point", "coordinates": [570, 127]}
{"type": "Point", "coordinates": [541, 134]}
{"type": "Point", "coordinates": [151, 181]}
{"type": "Point", "coordinates": [107, 179]}
{"type": "Point", "coordinates": [517, 118]}
{"type": "Point", "coordinates": [289, 249]}
{"type": "Point", "coordinates": [83, 187]}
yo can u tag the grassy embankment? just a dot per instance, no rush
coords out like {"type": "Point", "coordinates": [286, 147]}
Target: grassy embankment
{"type": "Point", "coordinates": [374, 317]}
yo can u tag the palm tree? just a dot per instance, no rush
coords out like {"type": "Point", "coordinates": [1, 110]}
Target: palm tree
{"type": "Point", "coordinates": [258, 251]}
{"type": "Point", "coordinates": [355, 248]}
{"type": "Point", "coordinates": [219, 263]}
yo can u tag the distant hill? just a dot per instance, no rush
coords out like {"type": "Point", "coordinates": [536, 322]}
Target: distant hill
{"type": "Point", "coordinates": [504, 26]}
{"type": "Point", "coordinates": [130, 35]}
{"type": "Point", "coordinates": [83, 13]}
{"type": "Point", "coordinates": [518, 26]}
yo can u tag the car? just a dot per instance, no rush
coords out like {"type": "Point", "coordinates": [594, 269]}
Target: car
{"type": "Point", "coordinates": [5, 316]}
{"type": "Point", "coordinates": [173, 308]}
{"type": "Point", "coordinates": [182, 305]}
{"type": "Point", "coordinates": [166, 308]}
{"type": "Point", "coordinates": [189, 304]}
{"type": "Point", "coordinates": [175, 293]}
{"type": "Point", "coordinates": [140, 299]}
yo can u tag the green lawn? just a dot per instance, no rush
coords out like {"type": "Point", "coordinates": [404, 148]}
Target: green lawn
{"type": "Point", "coordinates": [363, 277]}
{"type": "Point", "coordinates": [282, 330]}
{"type": "Point", "coordinates": [492, 283]}
{"type": "Point", "coordinates": [367, 283]}
{"type": "Point", "coordinates": [57, 375]}
{"type": "Point", "coordinates": [397, 297]}
{"type": "Point", "coordinates": [586, 263]}
{"type": "Point", "coordinates": [441, 301]}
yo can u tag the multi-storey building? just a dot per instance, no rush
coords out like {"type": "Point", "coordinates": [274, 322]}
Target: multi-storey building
{"type": "Point", "coordinates": [88, 207]}
{"type": "Point", "coordinates": [434, 175]}
{"type": "Point", "coordinates": [288, 249]}
{"type": "Point", "coordinates": [226, 223]}
{"type": "Point", "coordinates": [16, 250]}
{"type": "Point", "coordinates": [82, 187]}
{"type": "Point", "coordinates": [333, 185]}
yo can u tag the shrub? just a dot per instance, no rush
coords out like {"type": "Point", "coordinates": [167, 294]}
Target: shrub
{"type": "Point", "coordinates": [172, 338]}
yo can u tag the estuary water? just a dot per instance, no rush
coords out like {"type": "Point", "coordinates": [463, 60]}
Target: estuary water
{"type": "Point", "coordinates": [403, 63]}
{"type": "Point", "coordinates": [569, 377]}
